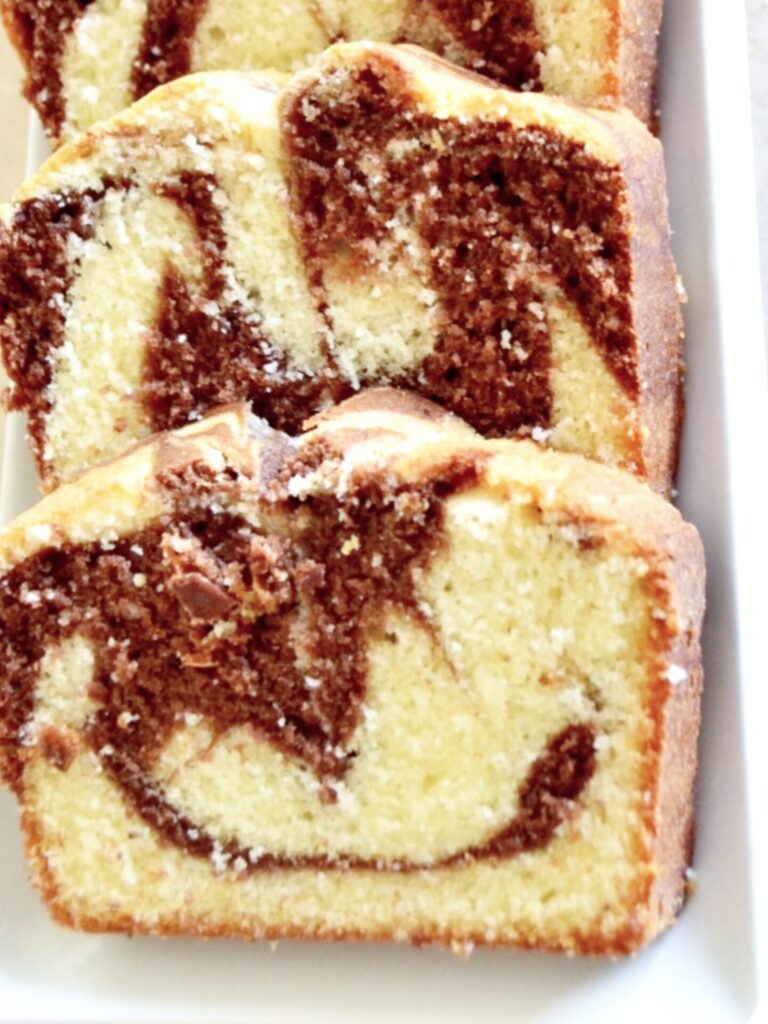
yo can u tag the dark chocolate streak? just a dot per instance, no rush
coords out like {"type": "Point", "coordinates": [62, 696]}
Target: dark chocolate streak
{"type": "Point", "coordinates": [499, 36]}
{"type": "Point", "coordinates": [41, 28]}
{"type": "Point", "coordinates": [203, 613]}
{"type": "Point", "coordinates": [500, 212]}
{"type": "Point", "coordinates": [196, 358]}
{"type": "Point", "coordinates": [36, 273]}
{"type": "Point", "coordinates": [165, 50]}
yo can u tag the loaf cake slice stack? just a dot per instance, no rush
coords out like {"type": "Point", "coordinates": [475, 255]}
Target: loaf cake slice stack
{"type": "Point", "coordinates": [383, 219]}
{"type": "Point", "coordinates": [87, 61]}
{"type": "Point", "coordinates": [388, 680]}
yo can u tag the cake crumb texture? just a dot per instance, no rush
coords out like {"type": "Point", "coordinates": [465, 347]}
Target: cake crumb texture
{"type": "Point", "coordinates": [386, 680]}
{"type": "Point", "coordinates": [381, 219]}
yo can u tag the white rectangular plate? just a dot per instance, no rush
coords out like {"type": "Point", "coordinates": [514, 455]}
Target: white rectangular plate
{"type": "Point", "coordinates": [706, 967]}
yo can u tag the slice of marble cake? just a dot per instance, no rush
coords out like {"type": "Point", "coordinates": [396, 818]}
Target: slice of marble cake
{"type": "Point", "coordinates": [388, 680]}
{"type": "Point", "coordinates": [384, 219]}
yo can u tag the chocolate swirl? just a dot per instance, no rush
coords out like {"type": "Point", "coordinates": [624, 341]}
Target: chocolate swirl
{"type": "Point", "coordinates": [165, 50]}
{"type": "Point", "coordinates": [201, 613]}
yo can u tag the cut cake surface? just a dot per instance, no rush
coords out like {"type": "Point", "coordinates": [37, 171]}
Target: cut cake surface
{"type": "Point", "coordinates": [387, 680]}
{"type": "Point", "coordinates": [383, 219]}
{"type": "Point", "coordinates": [87, 61]}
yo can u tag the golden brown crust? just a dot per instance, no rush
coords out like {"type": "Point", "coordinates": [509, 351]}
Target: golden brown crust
{"type": "Point", "coordinates": [678, 718]}
{"type": "Point", "coordinates": [656, 309]}
{"type": "Point", "coordinates": [639, 27]}
{"type": "Point", "coordinates": [623, 943]}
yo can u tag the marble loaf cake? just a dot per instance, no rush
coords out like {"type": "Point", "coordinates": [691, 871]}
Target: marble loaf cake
{"type": "Point", "coordinates": [388, 680]}
{"type": "Point", "coordinates": [88, 60]}
{"type": "Point", "coordinates": [383, 219]}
